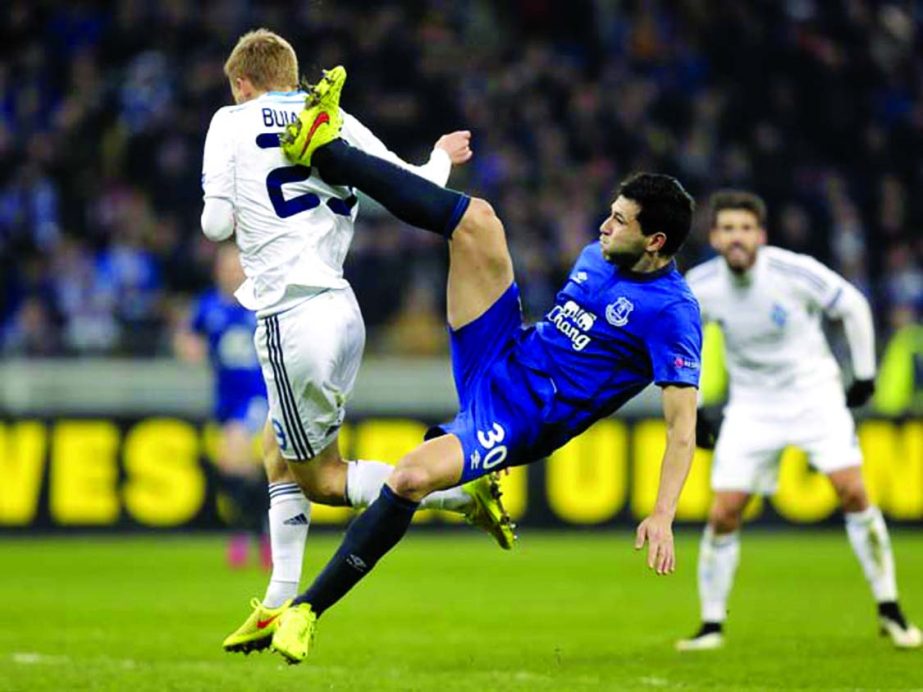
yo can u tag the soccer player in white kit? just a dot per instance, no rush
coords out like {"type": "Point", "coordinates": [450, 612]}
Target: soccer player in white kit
{"type": "Point", "coordinates": [785, 389]}
{"type": "Point", "coordinates": [293, 231]}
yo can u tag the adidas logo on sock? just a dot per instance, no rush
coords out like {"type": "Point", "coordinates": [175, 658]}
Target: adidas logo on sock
{"type": "Point", "coordinates": [297, 520]}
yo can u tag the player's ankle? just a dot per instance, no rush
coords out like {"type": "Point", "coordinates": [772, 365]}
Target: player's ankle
{"type": "Point", "coordinates": [892, 611]}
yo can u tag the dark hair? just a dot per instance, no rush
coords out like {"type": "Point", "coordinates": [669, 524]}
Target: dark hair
{"type": "Point", "coordinates": [665, 207]}
{"type": "Point", "coordinates": [737, 199]}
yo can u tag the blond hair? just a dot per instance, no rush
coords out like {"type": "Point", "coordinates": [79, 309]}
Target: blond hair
{"type": "Point", "coordinates": [265, 58]}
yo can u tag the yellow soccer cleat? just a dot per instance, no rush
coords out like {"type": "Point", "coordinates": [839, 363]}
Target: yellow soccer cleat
{"type": "Point", "coordinates": [294, 636]}
{"type": "Point", "coordinates": [320, 121]}
{"type": "Point", "coordinates": [487, 511]}
{"type": "Point", "coordinates": [256, 632]}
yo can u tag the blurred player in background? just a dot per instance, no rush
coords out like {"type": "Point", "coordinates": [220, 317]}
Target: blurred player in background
{"type": "Point", "coordinates": [293, 230]}
{"type": "Point", "coordinates": [624, 319]}
{"type": "Point", "coordinates": [785, 389]}
{"type": "Point", "coordinates": [223, 330]}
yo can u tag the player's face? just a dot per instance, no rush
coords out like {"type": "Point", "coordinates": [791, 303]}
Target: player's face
{"type": "Point", "coordinates": [620, 236]}
{"type": "Point", "coordinates": [737, 236]}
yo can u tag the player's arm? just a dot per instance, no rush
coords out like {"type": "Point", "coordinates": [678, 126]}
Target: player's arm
{"type": "Point", "coordinates": [679, 412]}
{"type": "Point", "coordinates": [189, 346]}
{"type": "Point", "coordinates": [451, 149]}
{"type": "Point", "coordinates": [840, 300]}
{"type": "Point", "coordinates": [217, 219]}
{"type": "Point", "coordinates": [853, 309]}
{"type": "Point", "coordinates": [188, 338]}
{"type": "Point", "coordinates": [714, 379]}
{"type": "Point", "coordinates": [218, 180]}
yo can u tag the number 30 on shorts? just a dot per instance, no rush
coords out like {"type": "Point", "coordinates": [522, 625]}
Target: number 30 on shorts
{"type": "Point", "coordinates": [489, 441]}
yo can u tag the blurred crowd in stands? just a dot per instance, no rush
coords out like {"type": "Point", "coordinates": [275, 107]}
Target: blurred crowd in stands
{"type": "Point", "coordinates": [817, 105]}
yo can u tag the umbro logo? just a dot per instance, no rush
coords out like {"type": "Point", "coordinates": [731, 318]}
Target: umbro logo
{"type": "Point", "coordinates": [356, 562]}
{"type": "Point", "coordinates": [297, 520]}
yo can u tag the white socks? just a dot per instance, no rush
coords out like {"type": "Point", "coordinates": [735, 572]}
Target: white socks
{"type": "Point", "coordinates": [718, 558]}
{"type": "Point", "coordinates": [365, 478]}
{"type": "Point", "coordinates": [720, 554]}
{"type": "Point", "coordinates": [289, 518]}
{"type": "Point", "coordinates": [868, 535]}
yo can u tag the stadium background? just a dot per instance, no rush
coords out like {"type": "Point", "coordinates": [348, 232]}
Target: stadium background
{"type": "Point", "coordinates": [104, 437]}
{"type": "Point", "coordinates": [817, 106]}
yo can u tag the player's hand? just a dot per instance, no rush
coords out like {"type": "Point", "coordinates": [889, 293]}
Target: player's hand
{"type": "Point", "coordinates": [657, 532]}
{"type": "Point", "coordinates": [457, 145]}
{"type": "Point", "coordinates": [706, 432]}
{"type": "Point", "coordinates": [859, 392]}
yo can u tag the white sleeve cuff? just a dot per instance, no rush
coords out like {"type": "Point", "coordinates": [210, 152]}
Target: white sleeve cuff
{"type": "Point", "coordinates": [438, 168]}
{"type": "Point", "coordinates": [217, 219]}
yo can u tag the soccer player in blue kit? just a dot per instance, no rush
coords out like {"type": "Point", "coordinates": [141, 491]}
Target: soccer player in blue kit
{"type": "Point", "coordinates": [625, 318]}
{"type": "Point", "coordinates": [222, 329]}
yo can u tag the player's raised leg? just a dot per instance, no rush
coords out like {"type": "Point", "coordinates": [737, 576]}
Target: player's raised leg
{"type": "Point", "coordinates": [868, 535]}
{"type": "Point", "coordinates": [481, 268]}
{"type": "Point", "coordinates": [719, 554]}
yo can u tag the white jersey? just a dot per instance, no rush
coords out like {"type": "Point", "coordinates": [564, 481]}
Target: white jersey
{"type": "Point", "coordinates": [292, 228]}
{"type": "Point", "coordinates": [771, 319]}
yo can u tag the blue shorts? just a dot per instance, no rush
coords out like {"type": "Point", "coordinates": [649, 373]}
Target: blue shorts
{"type": "Point", "coordinates": [251, 412]}
{"type": "Point", "coordinates": [499, 420]}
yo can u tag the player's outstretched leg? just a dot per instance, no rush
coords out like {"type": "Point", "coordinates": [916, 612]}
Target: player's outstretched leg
{"type": "Point", "coordinates": [435, 465]}
{"type": "Point", "coordinates": [331, 481]}
{"type": "Point", "coordinates": [481, 269]}
{"type": "Point", "coordinates": [868, 535]}
{"type": "Point", "coordinates": [719, 554]}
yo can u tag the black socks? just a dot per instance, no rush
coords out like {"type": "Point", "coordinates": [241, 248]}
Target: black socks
{"type": "Point", "coordinates": [372, 534]}
{"type": "Point", "coordinates": [409, 197]}
{"type": "Point", "coordinates": [892, 611]}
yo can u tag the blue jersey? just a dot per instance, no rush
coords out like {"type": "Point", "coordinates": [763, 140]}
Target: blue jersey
{"type": "Point", "coordinates": [611, 333]}
{"type": "Point", "coordinates": [229, 328]}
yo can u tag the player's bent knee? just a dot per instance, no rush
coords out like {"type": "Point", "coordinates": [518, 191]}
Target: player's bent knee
{"type": "Point", "coordinates": [725, 519]}
{"type": "Point", "coordinates": [480, 235]}
{"type": "Point", "coordinates": [479, 216]}
{"type": "Point", "coordinates": [410, 481]}
{"type": "Point", "coordinates": [853, 497]}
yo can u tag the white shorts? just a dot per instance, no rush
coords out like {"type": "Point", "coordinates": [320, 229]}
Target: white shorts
{"type": "Point", "coordinates": [752, 440]}
{"type": "Point", "coordinates": [310, 355]}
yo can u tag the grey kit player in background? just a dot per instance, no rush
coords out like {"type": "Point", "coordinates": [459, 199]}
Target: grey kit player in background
{"type": "Point", "coordinates": [785, 390]}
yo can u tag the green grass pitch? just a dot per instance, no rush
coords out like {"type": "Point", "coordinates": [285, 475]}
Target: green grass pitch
{"type": "Point", "coordinates": [565, 611]}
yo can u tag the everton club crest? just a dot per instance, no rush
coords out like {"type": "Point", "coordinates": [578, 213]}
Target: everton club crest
{"type": "Point", "coordinates": [617, 313]}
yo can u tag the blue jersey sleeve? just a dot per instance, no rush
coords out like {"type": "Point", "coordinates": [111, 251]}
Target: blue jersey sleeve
{"type": "Point", "coordinates": [675, 345]}
{"type": "Point", "coordinates": [197, 321]}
